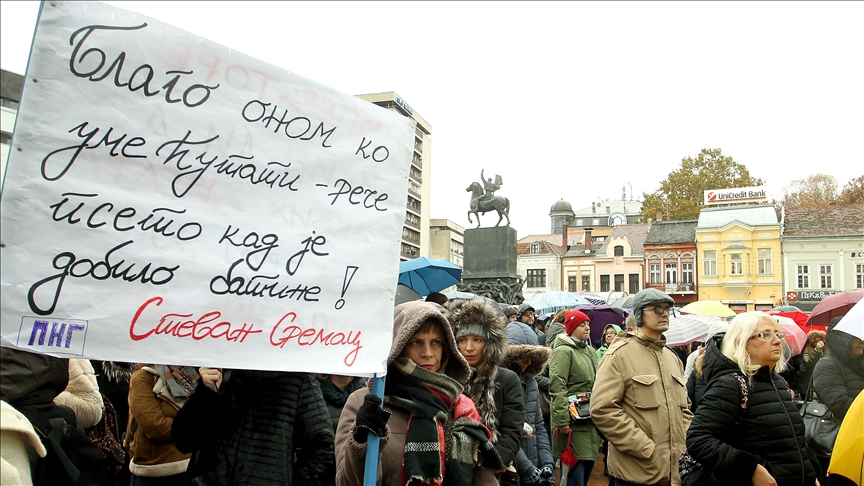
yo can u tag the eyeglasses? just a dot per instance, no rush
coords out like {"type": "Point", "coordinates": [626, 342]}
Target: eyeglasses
{"type": "Point", "coordinates": [769, 335]}
{"type": "Point", "coordinates": [659, 309]}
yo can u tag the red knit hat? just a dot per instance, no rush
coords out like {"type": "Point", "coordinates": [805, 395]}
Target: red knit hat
{"type": "Point", "coordinates": [572, 320]}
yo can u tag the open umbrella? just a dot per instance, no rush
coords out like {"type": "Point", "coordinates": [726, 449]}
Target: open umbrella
{"type": "Point", "coordinates": [624, 302]}
{"type": "Point", "coordinates": [787, 308]}
{"type": "Point", "coordinates": [591, 297]}
{"type": "Point", "coordinates": [426, 276]}
{"type": "Point", "coordinates": [834, 306]}
{"type": "Point", "coordinates": [600, 316]}
{"type": "Point", "coordinates": [555, 301]}
{"type": "Point", "coordinates": [847, 458]}
{"type": "Point", "coordinates": [708, 308]}
{"type": "Point", "coordinates": [686, 328]}
{"type": "Point", "coordinates": [404, 294]}
{"type": "Point", "coordinates": [796, 338]}
{"type": "Point", "coordinates": [853, 322]}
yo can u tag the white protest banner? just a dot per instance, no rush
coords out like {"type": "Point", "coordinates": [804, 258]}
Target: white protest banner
{"type": "Point", "coordinates": [169, 200]}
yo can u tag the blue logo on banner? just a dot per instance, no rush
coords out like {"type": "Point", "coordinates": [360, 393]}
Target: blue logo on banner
{"type": "Point", "coordinates": [55, 336]}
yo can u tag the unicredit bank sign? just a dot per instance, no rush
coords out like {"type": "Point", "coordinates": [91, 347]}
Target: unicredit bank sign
{"type": "Point", "coordinates": [736, 195]}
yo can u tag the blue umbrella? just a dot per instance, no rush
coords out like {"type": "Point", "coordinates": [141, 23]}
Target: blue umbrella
{"type": "Point", "coordinates": [425, 276]}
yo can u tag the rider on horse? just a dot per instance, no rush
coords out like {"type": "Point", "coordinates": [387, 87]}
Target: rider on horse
{"type": "Point", "coordinates": [489, 187]}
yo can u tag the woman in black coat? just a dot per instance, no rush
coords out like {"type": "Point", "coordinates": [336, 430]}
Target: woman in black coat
{"type": "Point", "coordinates": [839, 377]}
{"type": "Point", "coordinates": [481, 336]}
{"type": "Point", "coordinates": [747, 429]}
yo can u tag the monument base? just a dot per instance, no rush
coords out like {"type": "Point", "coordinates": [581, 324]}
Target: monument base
{"type": "Point", "coordinates": [489, 265]}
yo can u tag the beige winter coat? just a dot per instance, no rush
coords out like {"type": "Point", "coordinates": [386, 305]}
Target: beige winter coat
{"type": "Point", "coordinates": [639, 403]}
{"type": "Point", "coordinates": [16, 435]}
{"type": "Point", "coordinates": [82, 393]}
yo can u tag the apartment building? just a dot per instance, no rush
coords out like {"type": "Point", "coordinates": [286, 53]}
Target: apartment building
{"type": "Point", "coordinates": [10, 96]}
{"type": "Point", "coordinates": [415, 232]}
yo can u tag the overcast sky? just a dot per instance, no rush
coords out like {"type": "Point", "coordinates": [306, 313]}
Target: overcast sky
{"type": "Point", "coordinates": [565, 100]}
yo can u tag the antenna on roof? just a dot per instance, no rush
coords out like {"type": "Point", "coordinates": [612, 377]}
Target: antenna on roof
{"type": "Point", "coordinates": [624, 191]}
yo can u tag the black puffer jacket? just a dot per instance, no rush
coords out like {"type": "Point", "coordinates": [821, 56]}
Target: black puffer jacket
{"type": "Point", "coordinates": [247, 433]}
{"type": "Point", "coordinates": [769, 432]}
{"type": "Point", "coordinates": [495, 391]}
{"type": "Point", "coordinates": [838, 378]}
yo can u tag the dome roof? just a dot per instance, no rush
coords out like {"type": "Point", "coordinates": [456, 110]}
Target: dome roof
{"type": "Point", "coordinates": [561, 205]}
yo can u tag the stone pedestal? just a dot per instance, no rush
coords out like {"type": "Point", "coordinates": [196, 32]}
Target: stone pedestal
{"type": "Point", "coordinates": [489, 265]}
{"type": "Point", "coordinates": [490, 253]}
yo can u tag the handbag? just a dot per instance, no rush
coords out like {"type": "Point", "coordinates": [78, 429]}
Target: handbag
{"type": "Point", "coordinates": [580, 407]}
{"type": "Point", "coordinates": [820, 426]}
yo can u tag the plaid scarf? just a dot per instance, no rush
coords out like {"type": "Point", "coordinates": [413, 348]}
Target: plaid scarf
{"type": "Point", "coordinates": [444, 430]}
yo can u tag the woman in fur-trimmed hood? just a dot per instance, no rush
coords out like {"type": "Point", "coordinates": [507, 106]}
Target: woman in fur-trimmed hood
{"type": "Point", "coordinates": [527, 359]}
{"type": "Point", "coordinates": [423, 406]}
{"type": "Point", "coordinates": [481, 336]}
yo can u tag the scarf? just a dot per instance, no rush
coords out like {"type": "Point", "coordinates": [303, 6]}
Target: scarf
{"type": "Point", "coordinates": [444, 430]}
{"type": "Point", "coordinates": [333, 395]}
{"type": "Point", "coordinates": [180, 380]}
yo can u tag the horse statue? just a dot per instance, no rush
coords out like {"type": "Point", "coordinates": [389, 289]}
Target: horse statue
{"type": "Point", "coordinates": [481, 204]}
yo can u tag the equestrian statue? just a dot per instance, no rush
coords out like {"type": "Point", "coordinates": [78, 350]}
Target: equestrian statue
{"type": "Point", "coordinates": [483, 199]}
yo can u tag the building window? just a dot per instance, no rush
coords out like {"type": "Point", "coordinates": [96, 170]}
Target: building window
{"type": "Point", "coordinates": [572, 283]}
{"type": "Point", "coordinates": [6, 138]}
{"type": "Point", "coordinates": [709, 263]}
{"type": "Point", "coordinates": [687, 273]}
{"type": "Point", "coordinates": [735, 264]}
{"type": "Point", "coordinates": [654, 271]}
{"type": "Point", "coordinates": [619, 250]}
{"type": "Point", "coordinates": [803, 276]}
{"type": "Point", "coordinates": [535, 248]}
{"type": "Point", "coordinates": [671, 273]}
{"type": "Point", "coordinates": [536, 278]}
{"type": "Point", "coordinates": [595, 222]}
{"type": "Point", "coordinates": [763, 261]}
{"type": "Point", "coordinates": [619, 282]}
{"type": "Point", "coordinates": [9, 103]}
{"type": "Point", "coordinates": [604, 283]}
{"type": "Point", "coordinates": [859, 276]}
{"type": "Point", "coordinates": [634, 283]}
{"type": "Point", "coordinates": [578, 222]}
{"type": "Point", "coordinates": [825, 276]}
{"type": "Point", "coordinates": [586, 283]}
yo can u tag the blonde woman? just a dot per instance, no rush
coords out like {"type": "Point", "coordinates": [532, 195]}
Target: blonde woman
{"type": "Point", "coordinates": [747, 429]}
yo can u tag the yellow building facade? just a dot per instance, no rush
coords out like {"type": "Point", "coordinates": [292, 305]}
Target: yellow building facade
{"type": "Point", "coordinates": [739, 256]}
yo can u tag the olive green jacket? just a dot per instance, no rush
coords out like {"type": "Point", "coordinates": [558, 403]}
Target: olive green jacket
{"type": "Point", "coordinates": [572, 370]}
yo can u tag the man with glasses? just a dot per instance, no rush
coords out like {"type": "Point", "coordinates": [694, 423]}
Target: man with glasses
{"type": "Point", "coordinates": [639, 400]}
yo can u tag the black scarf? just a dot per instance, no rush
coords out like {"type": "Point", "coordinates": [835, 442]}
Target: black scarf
{"type": "Point", "coordinates": [444, 431]}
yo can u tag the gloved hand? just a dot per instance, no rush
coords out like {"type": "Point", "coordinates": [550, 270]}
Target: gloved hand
{"type": "Point", "coordinates": [533, 478]}
{"type": "Point", "coordinates": [370, 418]}
{"type": "Point", "coordinates": [546, 473]}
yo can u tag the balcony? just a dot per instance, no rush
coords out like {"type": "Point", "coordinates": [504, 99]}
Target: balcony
{"type": "Point", "coordinates": [415, 239]}
{"type": "Point", "coordinates": [680, 288]}
{"type": "Point", "coordinates": [414, 192]}
{"type": "Point", "coordinates": [417, 161]}
{"type": "Point", "coordinates": [415, 177]}
{"type": "Point", "coordinates": [412, 224]}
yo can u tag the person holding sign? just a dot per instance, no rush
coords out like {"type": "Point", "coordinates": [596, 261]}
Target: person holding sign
{"type": "Point", "coordinates": [425, 405]}
{"type": "Point", "coordinates": [246, 427]}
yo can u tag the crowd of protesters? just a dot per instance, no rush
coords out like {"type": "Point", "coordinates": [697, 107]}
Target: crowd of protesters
{"type": "Point", "coordinates": [476, 394]}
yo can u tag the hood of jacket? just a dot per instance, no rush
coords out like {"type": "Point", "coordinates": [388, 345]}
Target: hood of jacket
{"type": "Point", "coordinates": [408, 317]}
{"type": "Point", "coordinates": [522, 308]}
{"type": "Point", "coordinates": [603, 336]}
{"type": "Point", "coordinates": [479, 317]}
{"type": "Point", "coordinates": [118, 371]}
{"type": "Point", "coordinates": [714, 362]}
{"type": "Point", "coordinates": [539, 356]}
{"type": "Point", "coordinates": [839, 343]}
{"type": "Point", "coordinates": [521, 333]}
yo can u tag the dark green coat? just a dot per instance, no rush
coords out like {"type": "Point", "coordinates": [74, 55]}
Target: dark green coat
{"type": "Point", "coordinates": [572, 370]}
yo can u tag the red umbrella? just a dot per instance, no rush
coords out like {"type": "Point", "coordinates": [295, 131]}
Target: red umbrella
{"type": "Point", "coordinates": [836, 305]}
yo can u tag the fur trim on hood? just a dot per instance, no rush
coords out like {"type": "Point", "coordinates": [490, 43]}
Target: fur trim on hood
{"type": "Point", "coordinates": [478, 317]}
{"type": "Point", "coordinates": [118, 371]}
{"type": "Point", "coordinates": [408, 317]}
{"type": "Point", "coordinates": [539, 356]}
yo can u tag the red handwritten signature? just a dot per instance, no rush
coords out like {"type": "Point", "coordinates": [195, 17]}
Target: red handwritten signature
{"type": "Point", "coordinates": [209, 325]}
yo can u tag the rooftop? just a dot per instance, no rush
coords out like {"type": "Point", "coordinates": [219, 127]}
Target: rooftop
{"type": "Point", "coordinates": [636, 234]}
{"type": "Point", "coordinates": [753, 215]}
{"type": "Point", "coordinates": [668, 232]}
{"type": "Point", "coordinates": [825, 221]}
